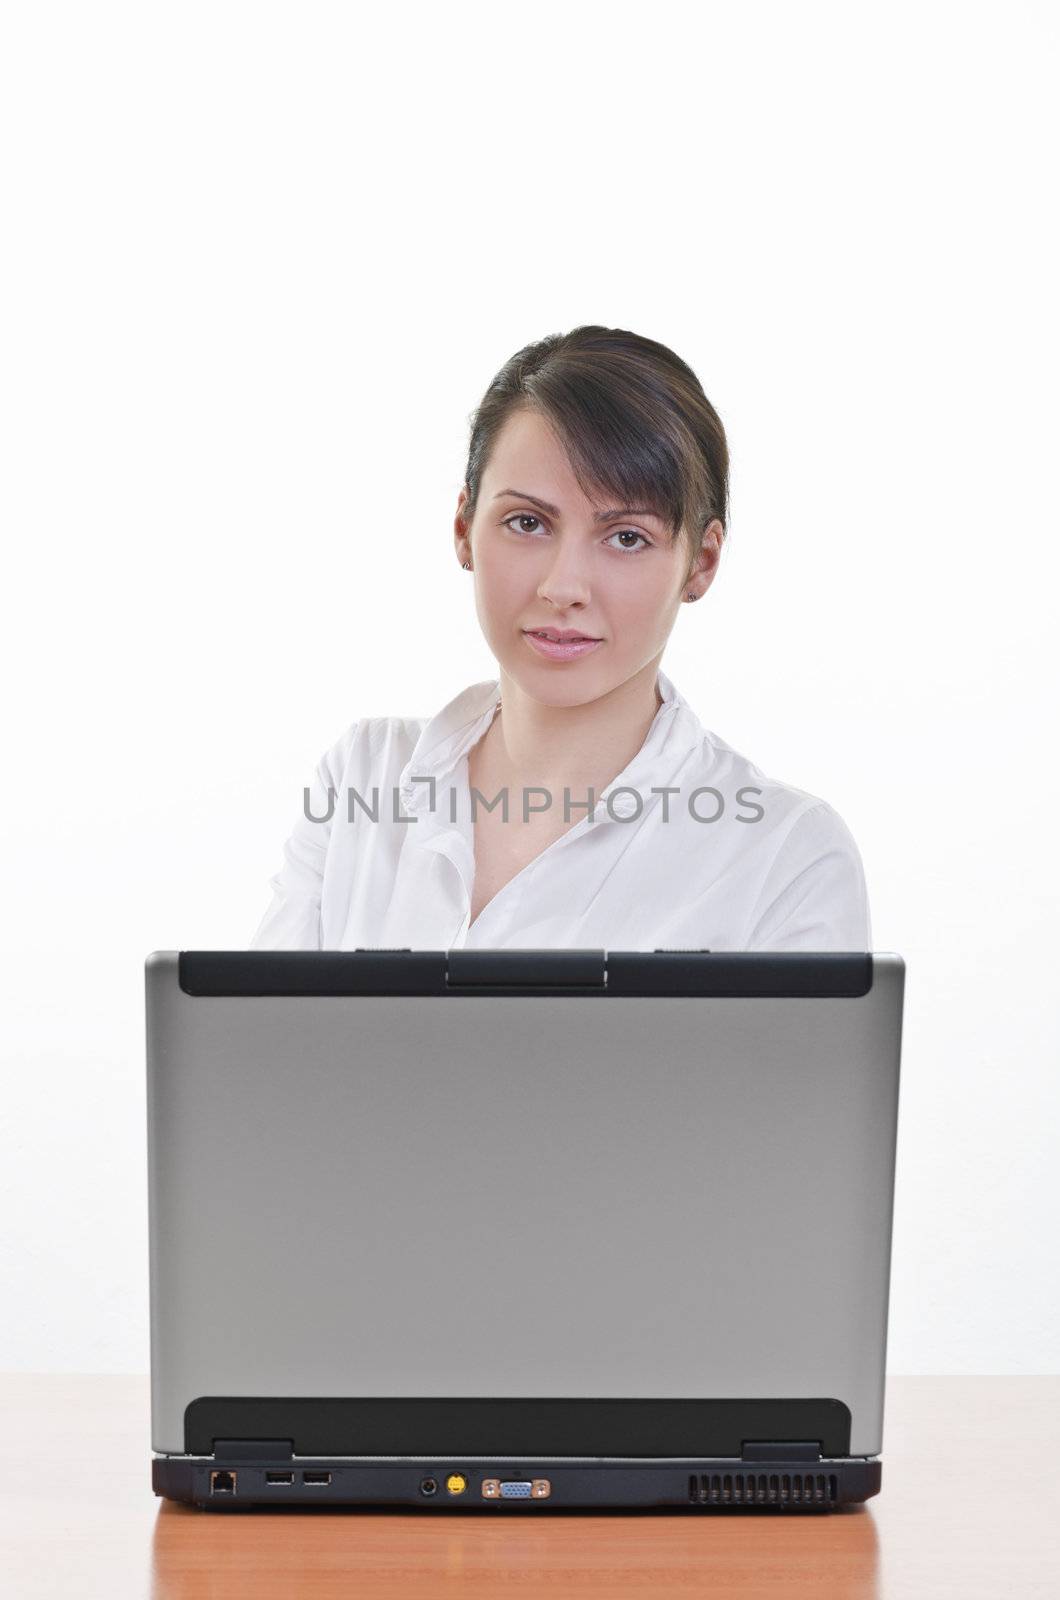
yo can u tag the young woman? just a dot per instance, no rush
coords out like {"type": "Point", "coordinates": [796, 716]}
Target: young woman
{"type": "Point", "coordinates": [576, 799]}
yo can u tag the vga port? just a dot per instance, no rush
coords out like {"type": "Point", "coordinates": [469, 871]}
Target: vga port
{"type": "Point", "coordinates": [516, 1488]}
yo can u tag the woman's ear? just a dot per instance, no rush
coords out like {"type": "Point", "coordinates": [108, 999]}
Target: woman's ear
{"type": "Point", "coordinates": [462, 529]}
{"type": "Point", "coordinates": [701, 573]}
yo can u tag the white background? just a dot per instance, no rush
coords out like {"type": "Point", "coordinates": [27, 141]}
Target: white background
{"type": "Point", "coordinates": [260, 264]}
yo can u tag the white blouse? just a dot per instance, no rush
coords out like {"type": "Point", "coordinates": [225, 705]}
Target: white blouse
{"type": "Point", "coordinates": [727, 859]}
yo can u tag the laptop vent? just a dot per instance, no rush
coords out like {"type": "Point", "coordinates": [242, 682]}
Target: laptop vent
{"type": "Point", "coordinates": [763, 1489]}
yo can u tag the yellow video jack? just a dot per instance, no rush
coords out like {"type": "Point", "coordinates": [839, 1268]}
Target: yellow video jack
{"type": "Point", "coordinates": [456, 1483]}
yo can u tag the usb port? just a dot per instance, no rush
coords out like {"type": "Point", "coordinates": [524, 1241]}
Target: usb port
{"type": "Point", "coordinates": [279, 1477]}
{"type": "Point", "coordinates": [316, 1477]}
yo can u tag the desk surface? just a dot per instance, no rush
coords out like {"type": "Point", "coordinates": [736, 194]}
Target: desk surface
{"type": "Point", "coordinates": [970, 1507]}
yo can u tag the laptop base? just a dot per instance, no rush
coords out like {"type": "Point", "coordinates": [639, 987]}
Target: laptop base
{"type": "Point", "coordinates": [231, 1482]}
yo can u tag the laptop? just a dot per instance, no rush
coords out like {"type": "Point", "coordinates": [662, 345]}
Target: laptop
{"type": "Point", "coordinates": [520, 1229]}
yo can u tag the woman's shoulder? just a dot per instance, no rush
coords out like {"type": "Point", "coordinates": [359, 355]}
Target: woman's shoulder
{"type": "Point", "coordinates": [372, 745]}
{"type": "Point", "coordinates": [789, 809]}
{"type": "Point", "coordinates": [805, 867]}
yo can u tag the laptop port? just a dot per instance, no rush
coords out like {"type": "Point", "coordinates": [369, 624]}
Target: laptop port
{"type": "Point", "coordinates": [428, 1486]}
{"type": "Point", "coordinates": [316, 1477]}
{"type": "Point", "coordinates": [516, 1488]}
{"type": "Point", "coordinates": [222, 1483]}
{"type": "Point", "coordinates": [279, 1477]}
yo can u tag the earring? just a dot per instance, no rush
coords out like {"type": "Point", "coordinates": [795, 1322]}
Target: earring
{"type": "Point", "coordinates": [467, 566]}
{"type": "Point", "coordinates": [691, 596]}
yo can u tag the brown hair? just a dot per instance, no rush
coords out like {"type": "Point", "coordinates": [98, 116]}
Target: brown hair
{"type": "Point", "coordinates": [632, 416]}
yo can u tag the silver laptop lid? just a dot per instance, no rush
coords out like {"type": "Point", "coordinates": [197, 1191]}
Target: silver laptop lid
{"type": "Point", "coordinates": [543, 1175]}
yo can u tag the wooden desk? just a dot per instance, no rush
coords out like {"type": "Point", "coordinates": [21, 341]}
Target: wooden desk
{"type": "Point", "coordinates": [970, 1509]}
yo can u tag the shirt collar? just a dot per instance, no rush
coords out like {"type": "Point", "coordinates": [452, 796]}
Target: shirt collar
{"type": "Point", "coordinates": [450, 734]}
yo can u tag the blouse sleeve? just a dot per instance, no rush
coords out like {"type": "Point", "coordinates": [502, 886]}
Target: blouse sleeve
{"type": "Point", "coordinates": [292, 920]}
{"type": "Point", "coordinates": [814, 896]}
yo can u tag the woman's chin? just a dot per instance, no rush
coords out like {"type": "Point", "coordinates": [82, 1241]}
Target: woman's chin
{"type": "Point", "coordinates": [550, 685]}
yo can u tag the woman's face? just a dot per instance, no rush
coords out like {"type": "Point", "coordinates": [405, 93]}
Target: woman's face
{"type": "Point", "coordinates": [546, 557]}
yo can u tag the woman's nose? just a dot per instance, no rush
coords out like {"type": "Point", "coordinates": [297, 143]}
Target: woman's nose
{"type": "Point", "coordinates": [566, 581]}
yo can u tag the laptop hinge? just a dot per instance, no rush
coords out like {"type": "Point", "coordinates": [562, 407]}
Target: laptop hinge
{"type": "Point", "coordinates": [254, 1449]}
{"type": "Point", "coordinates": [560, 970]}
{"type": "Point", "coordinates": [779, 1450]}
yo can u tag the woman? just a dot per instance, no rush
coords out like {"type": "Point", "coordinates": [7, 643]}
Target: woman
{"type": "Point", "coordinates": [576, 799]}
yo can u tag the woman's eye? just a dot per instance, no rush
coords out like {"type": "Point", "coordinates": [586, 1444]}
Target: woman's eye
{"type": "Point", "coordinates": [523, 516]}
{"type": "Point", "coordinates": [622, 533]}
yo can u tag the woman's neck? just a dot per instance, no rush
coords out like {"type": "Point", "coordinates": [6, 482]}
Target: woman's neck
{"type": "Point", "coordinates": [530, 744]}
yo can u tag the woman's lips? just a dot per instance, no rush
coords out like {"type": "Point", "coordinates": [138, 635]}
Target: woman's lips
{"type": "Point", "coordinates": [554, 651]}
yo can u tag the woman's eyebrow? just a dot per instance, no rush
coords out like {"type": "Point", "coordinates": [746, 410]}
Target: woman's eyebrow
{"type": "Point", "coordinates": [601, 516]}
{"type": "Point", "coordinates": [520, 494]}
{"type": "Point", "coordinates": [627, 511]}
